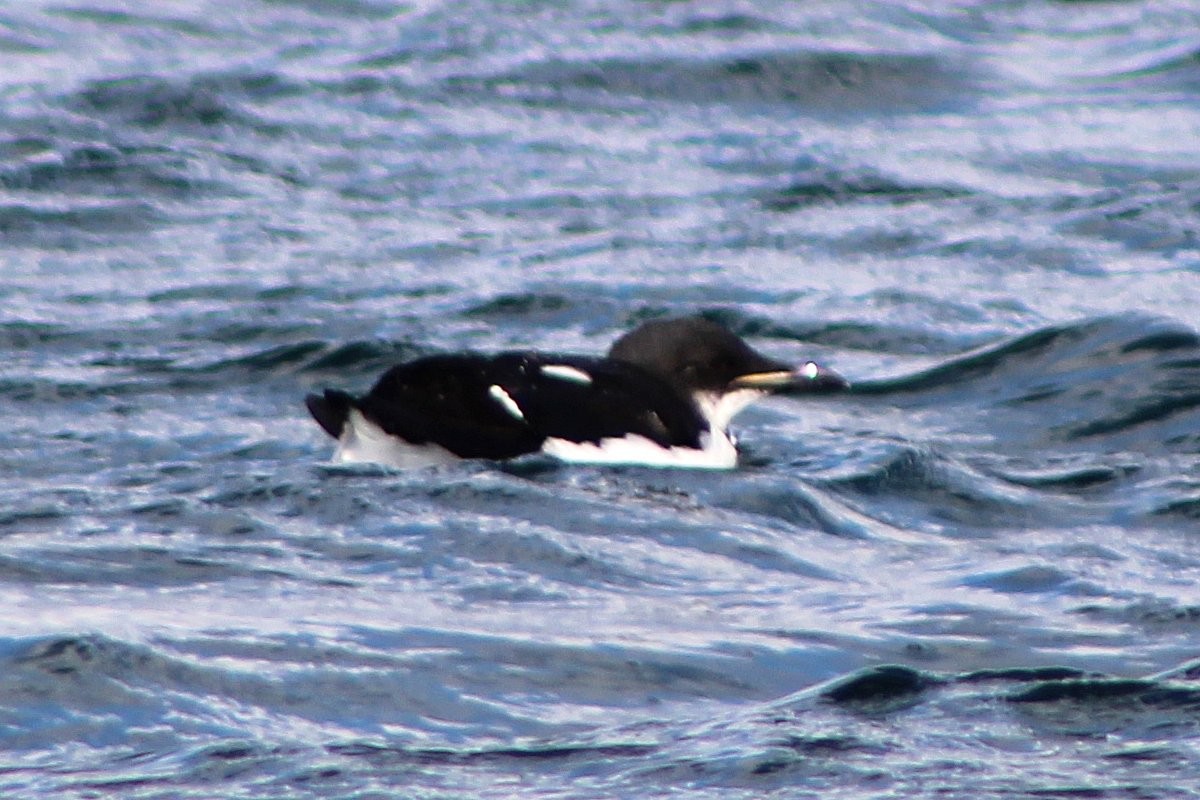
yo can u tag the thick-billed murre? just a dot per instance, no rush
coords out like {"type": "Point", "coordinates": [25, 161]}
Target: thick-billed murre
{"type": "Point", "coordinates": [664, 396]}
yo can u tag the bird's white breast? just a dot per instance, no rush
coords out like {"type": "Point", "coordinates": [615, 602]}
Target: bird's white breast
{"type": "Point", "coordinates": [717, 452]}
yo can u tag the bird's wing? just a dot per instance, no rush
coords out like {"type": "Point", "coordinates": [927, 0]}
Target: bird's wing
{"type": "Point", "coordinates": [502, 406]}
{"type": "Point", "coordinates": [582, 399]}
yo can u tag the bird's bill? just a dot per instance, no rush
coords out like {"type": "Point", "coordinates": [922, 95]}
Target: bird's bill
{"type": "Point", "coordinates": [811, 377]}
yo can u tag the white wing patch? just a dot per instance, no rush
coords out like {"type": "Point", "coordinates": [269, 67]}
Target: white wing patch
{"type": "Point", "coordinates": [717, 451]}
{"type": "Point", "coordinates": [566, 373]}
{"type": "Point", "coordinates": [497, 393]}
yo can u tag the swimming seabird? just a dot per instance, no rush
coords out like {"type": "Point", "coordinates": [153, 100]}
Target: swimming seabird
{"type": "Point", "coordinates": [663, 396]}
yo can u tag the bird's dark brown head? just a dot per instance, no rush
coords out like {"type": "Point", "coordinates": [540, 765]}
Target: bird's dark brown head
{"type": "Point", "coordinates": [698, 355]}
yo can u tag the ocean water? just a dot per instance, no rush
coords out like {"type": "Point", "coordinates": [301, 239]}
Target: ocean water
{"type": "Point", "coordinates": [977, 575]}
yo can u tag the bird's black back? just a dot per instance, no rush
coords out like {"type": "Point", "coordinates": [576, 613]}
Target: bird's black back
{"type": "Point", "coordinates": [448, 400]}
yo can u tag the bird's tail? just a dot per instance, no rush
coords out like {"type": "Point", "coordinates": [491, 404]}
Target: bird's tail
{"type": "Point", "coordinates": [330, 410]}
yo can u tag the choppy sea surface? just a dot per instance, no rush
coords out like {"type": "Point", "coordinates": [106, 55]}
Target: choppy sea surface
{"type": "Point", "coordinates": [975, 576]}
